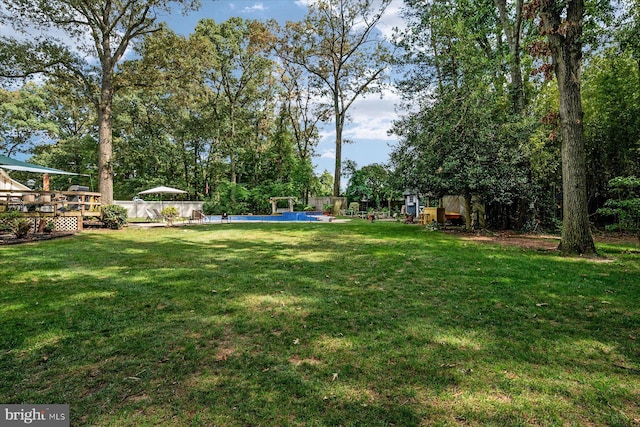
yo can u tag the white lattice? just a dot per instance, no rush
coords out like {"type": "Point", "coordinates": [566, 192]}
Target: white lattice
{"type": "Point", "coordinates": [67, 223]}
{"type": "Point", "coordinates": [62, 223]}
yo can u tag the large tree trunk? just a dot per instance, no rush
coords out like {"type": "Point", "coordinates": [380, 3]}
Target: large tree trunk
{"type": "Point", "coordinates": [513, 33]}
{"type": "Point", "coordinates": [566, 50]}
{"type": "Point", "coordinates": [105, 140]}
{"type": "Point", "coordinates": [232, 156]}
{"type": "Point", "coordinates": [576, 233]}
{"type": "Point", "coordinates": [340, 118]}
{"type": "Point", "coordinates": [468, 208]}
{"type": "Point", "coordinates": [338, 168]}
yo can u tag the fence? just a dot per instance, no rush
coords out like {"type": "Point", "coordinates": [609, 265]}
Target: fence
{"type": "Point", "coordinates": [138, 209]}
{"type": "Point", "coordinates": [319, 202]}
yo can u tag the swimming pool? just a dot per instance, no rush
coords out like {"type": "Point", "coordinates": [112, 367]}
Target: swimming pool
{"type": "Point", "coordinates": [285, 217]}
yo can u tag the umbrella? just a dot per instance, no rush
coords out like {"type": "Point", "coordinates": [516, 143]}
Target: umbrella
{"type": "Point", "coordinates": [162, 189]}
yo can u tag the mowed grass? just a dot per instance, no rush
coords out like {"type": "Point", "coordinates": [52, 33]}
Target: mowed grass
{"type": "Point", "coordinates": [353, 324]}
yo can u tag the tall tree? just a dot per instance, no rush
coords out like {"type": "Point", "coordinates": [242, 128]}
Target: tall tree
{"type": "Point", "coordinates": [93, 30]}
{"type": "Point", "coordinates": [629, 29]}
{"type": "Point", "coordinates": [168, 106]}
{"type": "Point", "coordinates": [611, 102]}
{"type": "Point", "coordinates": [336, 43]}
{"type": "Point", "coordinates": [458, 147]}
{"type": "Point", "coordinates": [465, 136]}
{"type": "Point", "coordinates": [239, 71]}
{"type": "Point", "coordinates": [512, 22]}
{"type": "Point", "coordinates": [304, 116]}
{"type": "Point", "coordinates": [562, 24]}
{"type": "Point", "coordinates": [75, 147]}
{"type": "Point", "coordinates": [24, 119]}
{"type": "Point", "coordinates": [370, 183]}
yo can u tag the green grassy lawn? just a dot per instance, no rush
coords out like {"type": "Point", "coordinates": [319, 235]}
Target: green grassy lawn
{"type": "Point", "coordinates": [317, 325]}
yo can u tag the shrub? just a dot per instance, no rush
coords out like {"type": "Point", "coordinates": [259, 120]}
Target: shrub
{"type": "Point", "coordinates": [14, 222]}
{"type": "Point", "coordinates": [228, 197]}
{"type": "Point", "coordinates": [114, 216]}
{"type": "Point", "coordinates": [49, 227]}
{"type": "Point", "coordinates": [22, 227]}
{"type": "Point", "coordinates": [210, 208]}
{"type": "Point", "coordinates": [170, 213]}
{"type": "Point", "coordinates": [6, 218]}
{"type": "Point", "coordinates": [624, 205]}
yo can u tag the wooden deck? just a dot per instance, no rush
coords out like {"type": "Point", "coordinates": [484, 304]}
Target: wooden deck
{"type": "Point", "coordinates": [68, 209]}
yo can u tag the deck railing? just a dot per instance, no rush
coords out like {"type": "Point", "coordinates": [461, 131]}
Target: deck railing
{"type": "Point", "coordinates": [51, 203]}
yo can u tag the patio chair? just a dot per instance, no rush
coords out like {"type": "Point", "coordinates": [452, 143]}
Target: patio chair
{"type": "Point", "coordinates": [153, 215]}
{"type": "Point", "coordinates": [197, 216]}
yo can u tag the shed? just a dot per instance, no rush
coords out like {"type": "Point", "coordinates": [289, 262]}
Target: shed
{"type": "Point", "coordinates": [412, 202]}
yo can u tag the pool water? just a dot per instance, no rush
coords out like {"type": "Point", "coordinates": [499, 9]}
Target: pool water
{"type": "Point", "coordinates": [285, 217]}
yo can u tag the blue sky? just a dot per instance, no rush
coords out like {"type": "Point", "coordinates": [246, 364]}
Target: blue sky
{"type": "Point", "coordinates": [372, 116]}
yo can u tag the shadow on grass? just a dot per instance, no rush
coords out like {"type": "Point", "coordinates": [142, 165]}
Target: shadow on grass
{"type": "Point", "coordinates": [354, 324]}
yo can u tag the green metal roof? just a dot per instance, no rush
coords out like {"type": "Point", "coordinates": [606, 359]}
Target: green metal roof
{"type": "Point", "coordinates": [17, 165]}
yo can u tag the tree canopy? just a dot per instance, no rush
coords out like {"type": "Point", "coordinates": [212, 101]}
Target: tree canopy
{"type": "Point", "coordinates": [95, 38]}
{"type": "Point", "coordinates": [233, 112]}
{"type": "Point", "coordinates": [337, 45]}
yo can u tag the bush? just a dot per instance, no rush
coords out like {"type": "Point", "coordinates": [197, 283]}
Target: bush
{"type": "Point", "coordinates": [210, 208]}
{"type": "Point", "coordinates": [6, 218]}
{"type": "Point", "coordinates": [237, 199]}
{"type": "Point", "coordinates": [14, 222]}
{"type": "Point", "coordinates": [624, 205]}
{"type": "Point", "coordinates": [49, 227]}
{"type": "Point", "coordinates": [22, 227]}
{"type": "Point", "coordinates": [170, 213]}
{"type": "Point", "coordinates": [228, 197]}
{"type": "Point", "coordinates": [114, 216]}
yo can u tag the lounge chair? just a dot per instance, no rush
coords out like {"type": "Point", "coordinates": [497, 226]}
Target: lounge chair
{"type": "Point", "coordinates": [153, 215]}
{"type": "Point", "coordinates": [197, 216]}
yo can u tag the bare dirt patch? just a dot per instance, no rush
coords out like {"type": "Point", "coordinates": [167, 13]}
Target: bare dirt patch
{"type": "Point", "coordinates": [297, 361]}
{"type": "Point", "coordinates": [540, 242]}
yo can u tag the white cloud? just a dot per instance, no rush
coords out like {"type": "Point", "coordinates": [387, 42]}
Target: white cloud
{"type": "Point", "coordinates": [389, 20]}
{"type": "Point", "coordinates": [372, 117]}
{"type": "Point", "coordinates": [256, 8]}
{"type": "Point", "coordinates": [328, 154]}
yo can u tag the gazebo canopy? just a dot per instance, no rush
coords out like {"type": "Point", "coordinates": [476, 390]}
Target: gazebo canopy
{"type": "Point", "coordinates": [17, 165]}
